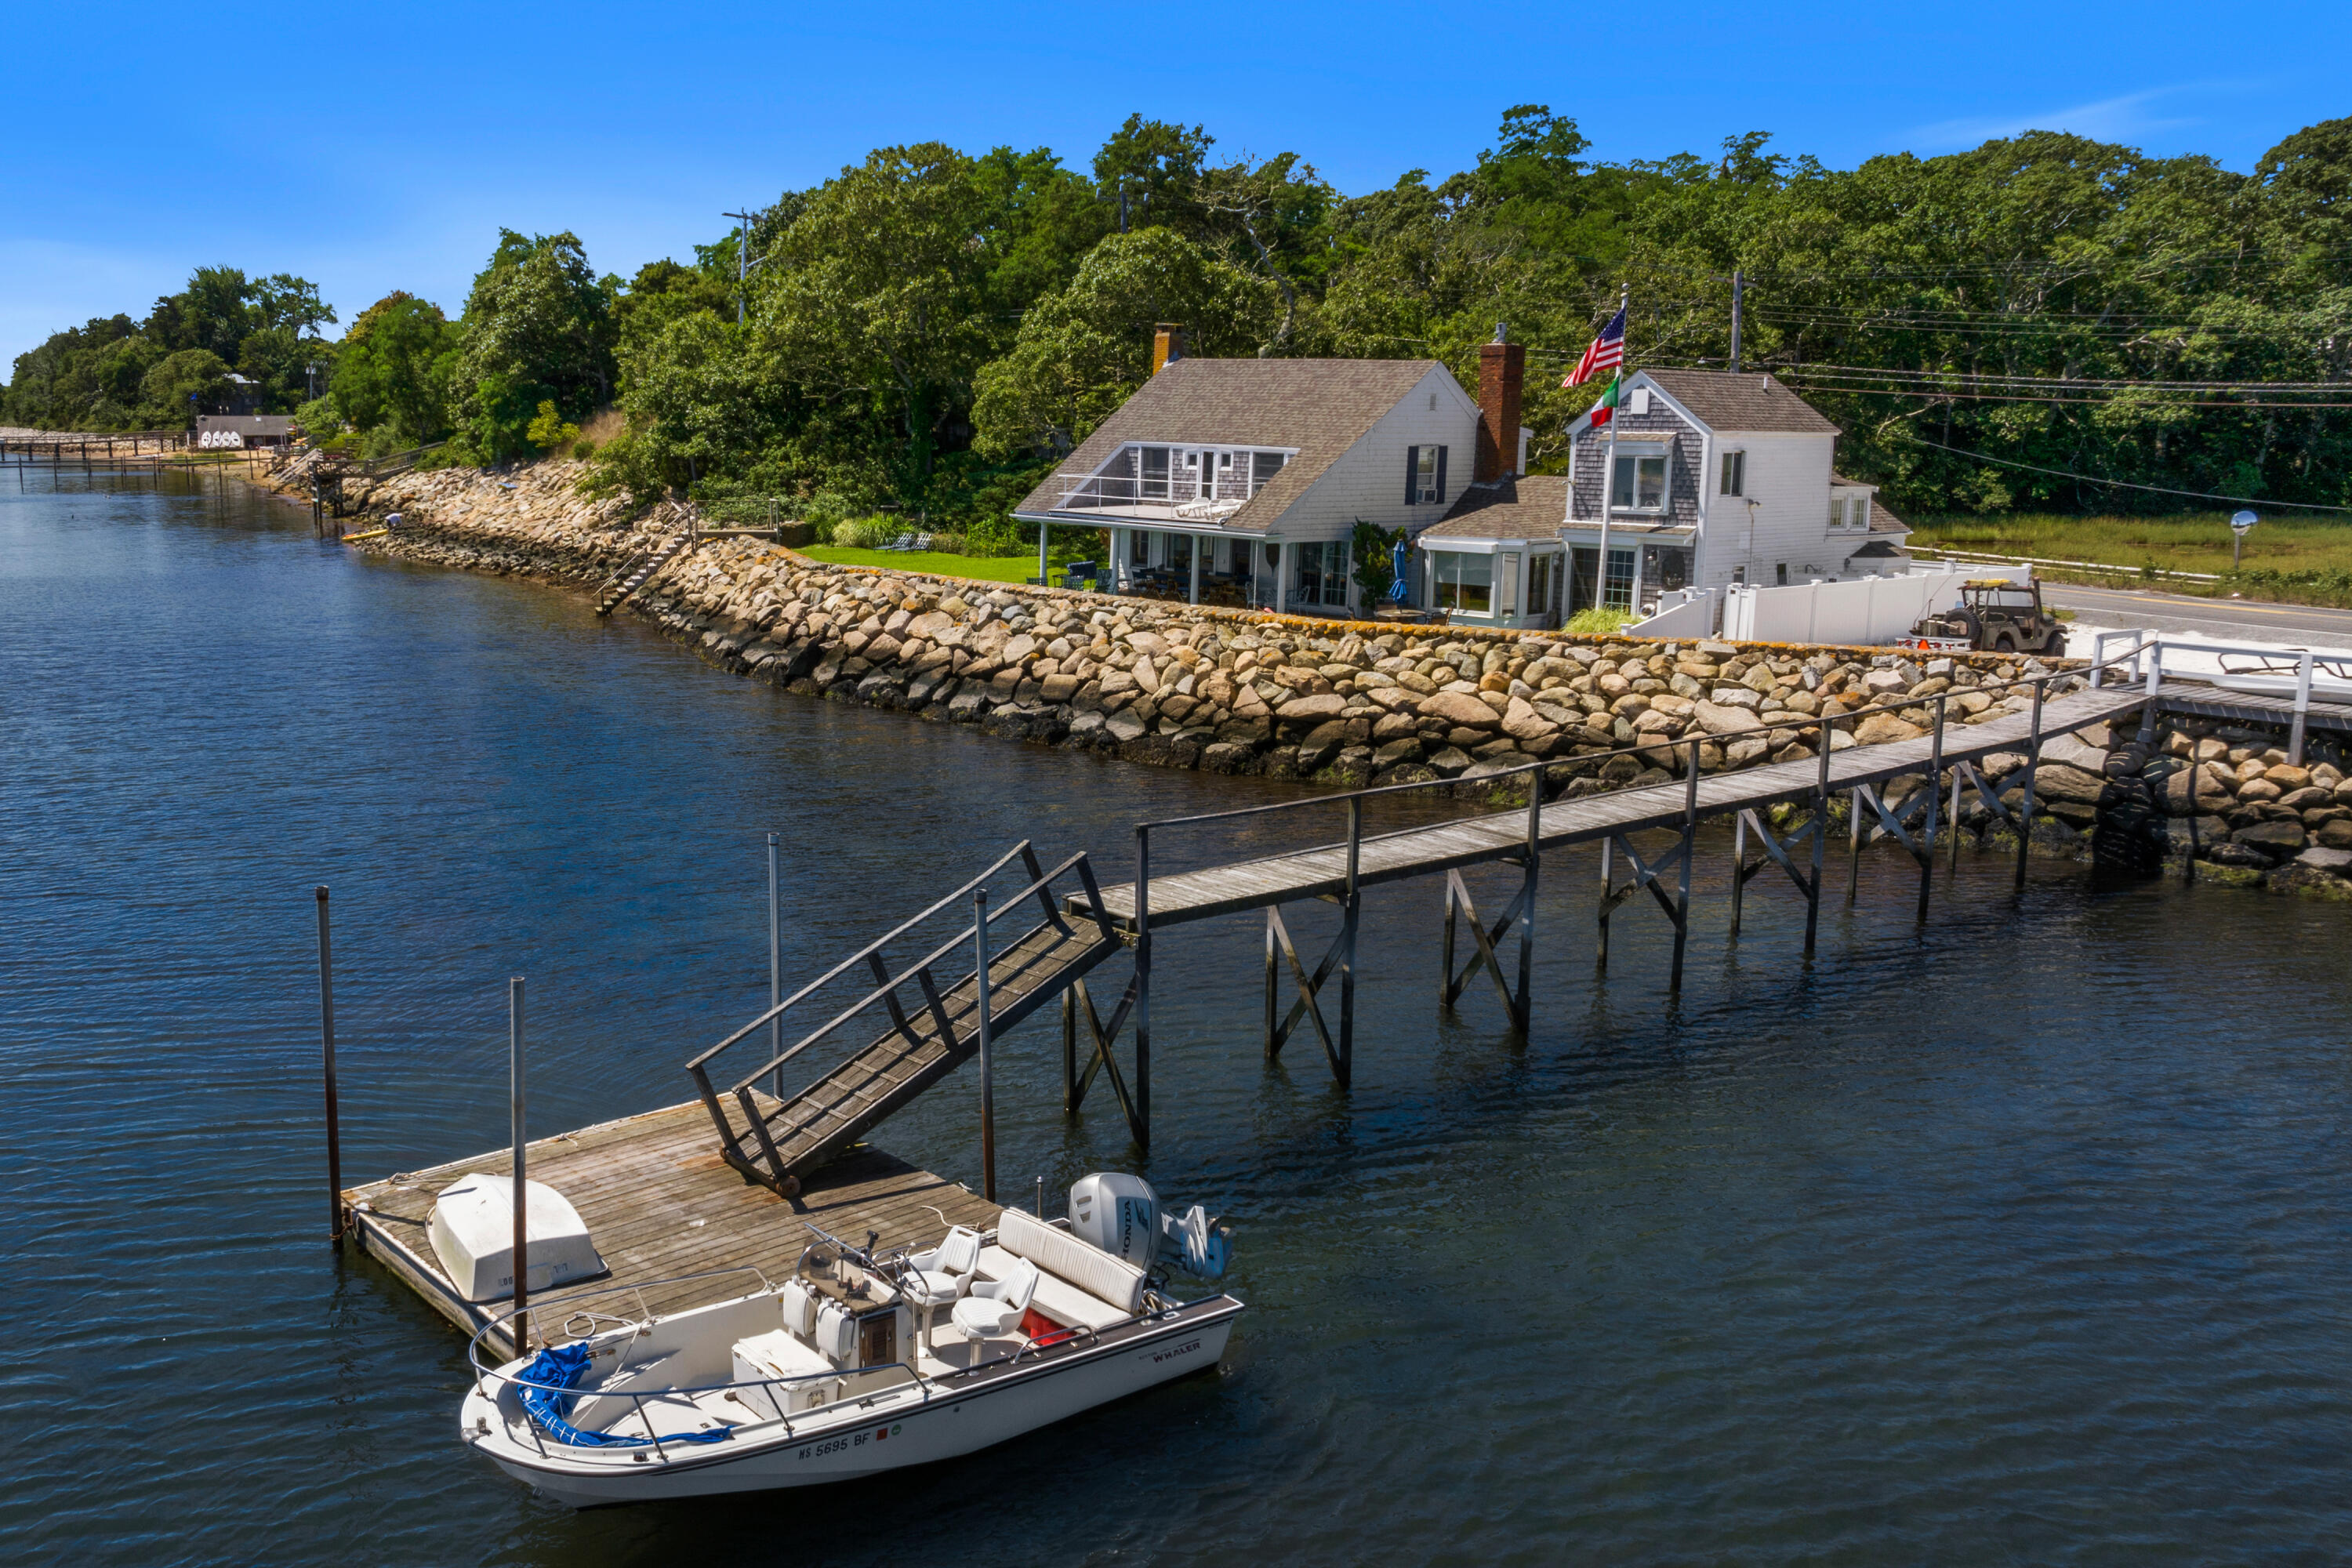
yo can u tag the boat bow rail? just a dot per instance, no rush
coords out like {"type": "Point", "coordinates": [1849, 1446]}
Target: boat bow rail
{"type": "Point", "coordinates": [933, 1026]}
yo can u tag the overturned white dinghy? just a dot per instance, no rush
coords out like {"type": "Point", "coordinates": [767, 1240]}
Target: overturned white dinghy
{"type": "Point", "coordinates": [473, 1236]}
{"type": "Point", "coordinates": [858, 1362]}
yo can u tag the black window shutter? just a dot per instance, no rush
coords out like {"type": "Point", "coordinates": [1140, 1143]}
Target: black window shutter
{"type": "Point", "coordinates": [1411, 474]}
{"type": "Point", "coordinates": [1441, 475]}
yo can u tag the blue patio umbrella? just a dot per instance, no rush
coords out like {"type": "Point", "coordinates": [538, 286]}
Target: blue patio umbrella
{"type": "Point", "coordinates": [1397, 590]}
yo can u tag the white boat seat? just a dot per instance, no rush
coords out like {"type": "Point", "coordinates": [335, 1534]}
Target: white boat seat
{"type": "Point", "coordinates": [1059, 1253]}
{"type": "Point", "coordinates": [994, 1308]}
{"type": "Point", "coordinates": [1056, 1297]}
{"type": "Point", "coordinates": [836, 1335]}
{"type": "Point", "coordinates": [799, 1307]}
{"type": "Point", "coordinates": [942, 1274]}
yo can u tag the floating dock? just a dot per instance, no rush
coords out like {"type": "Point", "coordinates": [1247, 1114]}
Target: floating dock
{"type": "Point", "coordinates": [661, 1204]}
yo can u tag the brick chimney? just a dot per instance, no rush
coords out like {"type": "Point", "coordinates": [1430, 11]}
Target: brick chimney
{"type": "Point", "coordinates": [1167, 345]}
{"type": "Point", "coordinates": [1502, 374]}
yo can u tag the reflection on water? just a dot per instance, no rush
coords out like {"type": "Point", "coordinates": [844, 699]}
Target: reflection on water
{"type": "Point", "coordinates": [2017, 1237]}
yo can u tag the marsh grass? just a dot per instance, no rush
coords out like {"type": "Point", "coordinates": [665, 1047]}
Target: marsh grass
{"type": "Point", "coordinates": [2299, 560]}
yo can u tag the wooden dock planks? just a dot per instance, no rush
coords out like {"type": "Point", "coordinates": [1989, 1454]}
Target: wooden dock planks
{"type": "Point", "coordinates": [661, 1204]}
{"type": "Point", "coordinates": [1421, 851]}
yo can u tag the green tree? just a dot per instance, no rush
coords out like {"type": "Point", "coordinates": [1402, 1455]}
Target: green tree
{"type": "Point", "coordinates": [395, 369]}
{"type": "Point", "coordinates": [878, 293]}
{"type": "Point", "coordinates": [538, 327]}
{"type": "Point", "coordinates": [1084, 352]}
{"type": "Point", "coordinates": [183, 385]}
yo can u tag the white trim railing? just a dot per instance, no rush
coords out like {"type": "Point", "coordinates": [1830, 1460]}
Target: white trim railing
{"type": "Point", "coordinates": [2147, 665]}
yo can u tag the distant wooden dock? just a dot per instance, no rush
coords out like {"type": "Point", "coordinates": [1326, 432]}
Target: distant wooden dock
{"type": "Point", "coordinates": [659, 1203]}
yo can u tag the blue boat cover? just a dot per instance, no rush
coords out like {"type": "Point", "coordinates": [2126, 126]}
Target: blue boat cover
{"type": "Point", "coordinates": [546, 1384]}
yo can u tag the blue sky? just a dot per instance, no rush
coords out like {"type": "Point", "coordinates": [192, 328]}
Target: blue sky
{"type": "Point", "coordinates": [377, 148]}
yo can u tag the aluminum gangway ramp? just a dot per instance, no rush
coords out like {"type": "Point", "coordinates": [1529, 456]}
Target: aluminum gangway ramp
{"type": "Point", "coordinates": [933, 1025]}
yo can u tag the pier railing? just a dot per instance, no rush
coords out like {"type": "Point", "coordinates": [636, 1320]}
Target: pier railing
{"type": "Point", "coordinates": [1341, 883]}
{"type": "Point", "coordinates": [2145, 659]}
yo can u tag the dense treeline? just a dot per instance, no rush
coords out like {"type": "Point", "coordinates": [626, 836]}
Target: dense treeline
{"type": "Point", "coordinates": [115, 373]}
{"type": "Point", "coordinates": [929, 329]}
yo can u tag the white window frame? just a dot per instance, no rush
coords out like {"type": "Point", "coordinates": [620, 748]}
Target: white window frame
{"type": "Point", "coordinates": [1662, 455]}
{"type": "Point", "coordinates": [1425, 475]}
{"type": "Point", "coordinates": [1731, 473]}
{"type": "Point", "coordinates": [1438, 582]}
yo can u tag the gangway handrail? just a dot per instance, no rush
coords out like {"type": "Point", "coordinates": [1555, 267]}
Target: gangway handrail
{"type": "Point", "coordinates": [833, 973]}
{"type": "Point", "coordinates": [909, 973]}
{"type": "Point", "coordinates": [933, 1004]}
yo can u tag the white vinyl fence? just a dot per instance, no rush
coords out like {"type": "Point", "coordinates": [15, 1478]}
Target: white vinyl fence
{"type": "Point", "coordinates": [1682, 612]}
{"type": "Point", "coordinates": [1867, 611]}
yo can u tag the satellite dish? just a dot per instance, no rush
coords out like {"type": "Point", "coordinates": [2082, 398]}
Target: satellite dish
{"type": "Point", "coordinates": [2241, 522]}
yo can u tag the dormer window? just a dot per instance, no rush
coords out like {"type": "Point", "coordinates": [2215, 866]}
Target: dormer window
{"type": "Point", "coordinates": [1850, 512]}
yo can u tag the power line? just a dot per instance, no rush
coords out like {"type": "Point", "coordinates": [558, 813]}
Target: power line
{"type": "Point", "coordinates": [2125, 484]}
{"type": "Point", "coordinates": [2015, 379]}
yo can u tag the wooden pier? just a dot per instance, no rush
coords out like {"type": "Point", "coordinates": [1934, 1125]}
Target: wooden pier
{"type": "Point", "coordinates": [731, 1180]}
{"type": "Point", "coordinates": [661, 1205]}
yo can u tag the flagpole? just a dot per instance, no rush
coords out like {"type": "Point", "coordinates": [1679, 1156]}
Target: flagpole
{"type": "Point", "coordinates": [1608, 469]}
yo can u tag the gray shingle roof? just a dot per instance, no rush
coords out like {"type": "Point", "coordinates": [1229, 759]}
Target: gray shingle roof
{"type": "Point", "coordinates": [1750, 401]}
{"type": "Point", "coordinates": [1321, 406]}
{"type": "Point", "coordinates": [1531, 506]}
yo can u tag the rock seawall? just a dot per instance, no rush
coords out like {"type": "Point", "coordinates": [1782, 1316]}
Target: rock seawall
{"type": "Point", "coordinates": [1233, 692]}
{"type": "Point", "coordinates": [1171, 685]}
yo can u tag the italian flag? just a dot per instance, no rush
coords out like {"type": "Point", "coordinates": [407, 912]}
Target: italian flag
{"type": "Point", "coordinates": [1606, 409]}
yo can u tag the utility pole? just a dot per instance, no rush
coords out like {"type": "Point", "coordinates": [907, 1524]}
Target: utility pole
{"type": "Point", "coordinates": [743, 259]}
{"type": "Point", "coordinates": [1738, 299]}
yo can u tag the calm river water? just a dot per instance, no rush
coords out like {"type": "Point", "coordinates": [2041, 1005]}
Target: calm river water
{"type": "Point", "coordinates": [2022, 1240]}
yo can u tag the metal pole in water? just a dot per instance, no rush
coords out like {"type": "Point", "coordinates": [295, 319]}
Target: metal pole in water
{"type": "Point", "coordinates": [327, 1041]}
{"type": "Point", "coordinates": [515, 1115]}
{"type": "Point", "coordinates": [1853, 843]}
{"type": "Point", "coordinates": [775, 970]}
{"type": "Point", "coordinates": [1935, 799]}
{"type": "Point", "coordinates": [2025, 800]}
{"type": "Point", "coordinates": [1821, 835]}
{"type": "Point", "coordinates": [987, 1053]}
{"type": "Point", "coordinates": [1739, 868]}
{"type": "Point", "coordinates": [1682, 894]}
{"type": "Point", "coordinates": [1143, 985]}
{"type": "Point", "coordinates": [1523, 1007]}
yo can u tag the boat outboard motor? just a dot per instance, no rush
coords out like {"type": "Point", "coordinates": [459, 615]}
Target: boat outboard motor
{"type": "Point", "coordinates": [1197, 1244]}
{"type": "Point", "coordinates": [1122, 1215]}
{"type": "Point", "coordinates": [1117, 1212]}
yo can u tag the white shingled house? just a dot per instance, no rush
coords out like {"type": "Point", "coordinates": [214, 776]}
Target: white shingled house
{"type": "Point", "coordinates": [1720, 479]}
{"type": "Point", "coordinates": [1240, 481]}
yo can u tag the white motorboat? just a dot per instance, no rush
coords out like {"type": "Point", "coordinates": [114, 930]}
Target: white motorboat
{"type": "Point", "coordinates": [859, 1362]}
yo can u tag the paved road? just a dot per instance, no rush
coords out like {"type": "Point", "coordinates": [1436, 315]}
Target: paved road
{"type": "Point", "coordinates": [2188, 617]}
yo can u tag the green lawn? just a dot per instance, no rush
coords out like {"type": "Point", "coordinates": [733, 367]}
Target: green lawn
{"type": "Point", "coordinates": [979, 568]}
{"type": "Point", "coordinates": [2302, 559]}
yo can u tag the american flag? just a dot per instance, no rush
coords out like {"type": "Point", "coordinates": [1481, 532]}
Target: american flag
{"type": "Point", "coordinates": [1607, 353]}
